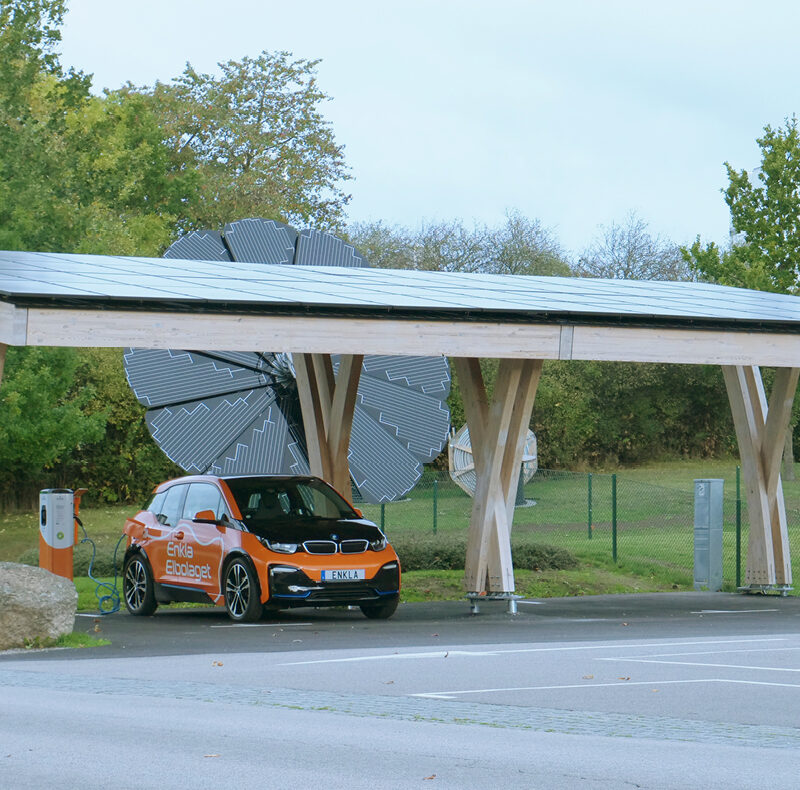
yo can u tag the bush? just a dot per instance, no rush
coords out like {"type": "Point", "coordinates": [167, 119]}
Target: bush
{"type": "Point", "coordinates": [445, 553]}
{"type": "Point", "coordinates": [103, 564]}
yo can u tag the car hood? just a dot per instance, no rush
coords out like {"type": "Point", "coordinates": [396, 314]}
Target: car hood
{"type": "Point", "coordinates": [299, 530]}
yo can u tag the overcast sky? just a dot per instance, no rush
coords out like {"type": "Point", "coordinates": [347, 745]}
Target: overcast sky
{"type": "Point", "coordinates": [574, 112]}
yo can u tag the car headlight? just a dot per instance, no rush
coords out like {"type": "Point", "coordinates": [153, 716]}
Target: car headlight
{"type": "Point", "coordinates": [281, 548]}
{"type": "Point", "coordinates": [379, 544]}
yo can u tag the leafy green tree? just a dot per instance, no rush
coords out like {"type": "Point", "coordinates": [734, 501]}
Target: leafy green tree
{"type": "Point", "coordinates": [765, 219]}
{"type": "Point", "coordinates": [765, 216]}
{"type": "Point", "coordinates": [77, 173]}
{"type": "Point", "coordinates": [43, 418]}
{"type": "Point", "coordinates": [258, 140]}
{"type": "Point", "coordinates": [122, 463]}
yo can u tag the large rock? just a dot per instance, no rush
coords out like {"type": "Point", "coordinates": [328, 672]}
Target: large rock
{"type": "Point", "coordinates": [34, 604]}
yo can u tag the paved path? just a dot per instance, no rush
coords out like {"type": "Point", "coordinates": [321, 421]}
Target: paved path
{"type": "Point", "coordinates": [647, 691]}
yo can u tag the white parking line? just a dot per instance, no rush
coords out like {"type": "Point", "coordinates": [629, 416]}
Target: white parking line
{"type": "Point", "coordinates": [444, 653]}
{"type": "Point", "coordinates": [652, 683]}
{"type": "Point", "coordinates": [706, 653]}
{"type": "Point", "coordinates": [701, 664]}
{"type": "Point", "coordinates": [734, 611]}
{"type": "Point", "coordinates": [259, 625]}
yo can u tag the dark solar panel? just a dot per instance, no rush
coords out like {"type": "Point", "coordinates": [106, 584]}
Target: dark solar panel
{"type": "Point", "coordinates": [208, 285]}
{"type": "Point", "coordinates": [316, 248]}
{"type": "Point", "coordinates": [205, 245]}
{"type": "Point", "coordinates": [260, 241]}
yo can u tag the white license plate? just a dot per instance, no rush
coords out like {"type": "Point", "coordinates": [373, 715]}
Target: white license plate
{"type": "Point", "coordinates": [347, 575]}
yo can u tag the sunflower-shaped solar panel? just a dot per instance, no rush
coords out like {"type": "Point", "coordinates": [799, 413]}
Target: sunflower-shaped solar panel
{"type": "Point", "coordinates": [238, 412]}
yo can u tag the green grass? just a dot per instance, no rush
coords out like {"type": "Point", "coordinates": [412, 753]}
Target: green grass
{"type": "Point", "coordinates": [585, 580]}
{"type": "Point", "coordinates": [75, 639]}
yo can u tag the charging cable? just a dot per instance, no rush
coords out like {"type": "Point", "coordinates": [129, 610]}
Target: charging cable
{"type": "Point", "coordinates": [109, 602]}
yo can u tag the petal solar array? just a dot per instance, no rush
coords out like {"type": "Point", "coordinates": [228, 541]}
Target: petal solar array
{"type": "Point", "coordinates": [239, 413]}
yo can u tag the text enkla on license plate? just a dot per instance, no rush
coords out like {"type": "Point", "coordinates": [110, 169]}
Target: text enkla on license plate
{"type": "Point", "coordinates": [344, 575]}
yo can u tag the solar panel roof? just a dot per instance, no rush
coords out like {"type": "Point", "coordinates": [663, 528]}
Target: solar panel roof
{"type": "Point", "coordinates": [100, 281]}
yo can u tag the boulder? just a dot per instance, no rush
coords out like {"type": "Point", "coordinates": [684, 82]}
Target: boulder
{"type": "Point", "coordinates": [34, 605]}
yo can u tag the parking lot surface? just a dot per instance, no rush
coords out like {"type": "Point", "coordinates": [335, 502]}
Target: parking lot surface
{"type": "Point", "coordinates": [656, 691]}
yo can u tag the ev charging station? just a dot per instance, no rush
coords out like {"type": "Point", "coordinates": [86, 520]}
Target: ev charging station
{"type": "Point", "coordinates": [58, 529]}
{"type": "Point", "coordinates": [708, 534]}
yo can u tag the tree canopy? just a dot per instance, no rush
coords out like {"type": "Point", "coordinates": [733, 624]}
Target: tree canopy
{"type": "Point", "coordinates": [519, 245]}
{"type": "Point", "coordinates": [627, 251]}
{"type": "Point", "coordinates": [257, 139]}
{"type": "Point", "coordinates": [765, 220]}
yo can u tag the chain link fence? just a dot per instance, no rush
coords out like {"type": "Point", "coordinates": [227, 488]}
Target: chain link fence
{"type": "Point", "coordinates": [602, 518]}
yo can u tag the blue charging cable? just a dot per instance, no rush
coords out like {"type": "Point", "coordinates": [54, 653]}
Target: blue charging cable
{"type": "Point", "coordinates": [108, 603]}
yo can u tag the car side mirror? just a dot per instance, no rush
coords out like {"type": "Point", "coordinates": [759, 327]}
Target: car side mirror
{"type": "Point", "coordinates": [208, 516]}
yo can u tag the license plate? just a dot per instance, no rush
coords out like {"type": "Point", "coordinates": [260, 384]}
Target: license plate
{"type": "Point", "coordinates": [347, 575]}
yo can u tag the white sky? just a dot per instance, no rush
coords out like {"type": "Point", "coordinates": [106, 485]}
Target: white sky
{"type": "Point", "coordinates": [574, 112]}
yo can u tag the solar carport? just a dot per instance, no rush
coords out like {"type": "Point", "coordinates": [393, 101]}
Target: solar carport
{"type": "Point", "coordinates": [49, 299]}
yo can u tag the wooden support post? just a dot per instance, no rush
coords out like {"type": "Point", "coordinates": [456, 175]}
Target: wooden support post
{"type": "Point", "coordinates": [327, 403]}
{"type": "Point", "coordinates": [760, 431]}
{"type": "Point", "coordinates": [497, 430]}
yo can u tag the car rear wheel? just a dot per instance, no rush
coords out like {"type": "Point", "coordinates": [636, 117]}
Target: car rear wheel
{"type": "Point", "coordinates": [242, 598]}
{"type": "Point", "coordinates": [137, 586]}
{"type": "Point", "coordinates": [381, 611]}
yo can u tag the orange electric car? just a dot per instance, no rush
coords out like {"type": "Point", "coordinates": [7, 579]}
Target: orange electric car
{"type": "Point", "coordinates": [257, 543]}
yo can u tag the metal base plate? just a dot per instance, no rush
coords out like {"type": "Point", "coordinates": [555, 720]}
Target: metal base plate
{"type": "Point", "coordinates": [767, 589]}
{"type": "Point", "coordinates": [475, 598]}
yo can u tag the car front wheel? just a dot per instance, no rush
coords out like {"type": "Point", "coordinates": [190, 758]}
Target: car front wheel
{"type": "Point", "coordinates": [242, 599]}
{"type": "Point", "coordinates": [381, 611]}
{"type": "Point", "coordinates": [137, 586]}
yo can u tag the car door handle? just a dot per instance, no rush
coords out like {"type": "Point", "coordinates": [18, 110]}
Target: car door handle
{"type": "Point", "coordinates": [178, 536]}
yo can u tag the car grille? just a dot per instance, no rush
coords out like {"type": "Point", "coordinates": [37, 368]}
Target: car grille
{"type": "Point", "coordinates": [357, 546]}
{"type": "Point", "coordinates": [320, 547]}
{"type": "Point", "coordinates": [353, 546]}
{"type": "Point", "coordinates": [344, 593]}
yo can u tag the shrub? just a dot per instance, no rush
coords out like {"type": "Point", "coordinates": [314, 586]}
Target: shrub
{"type": "Point", "coordinates": [435, 552]}
{"type": "Point", "coordinates": [103, 564]}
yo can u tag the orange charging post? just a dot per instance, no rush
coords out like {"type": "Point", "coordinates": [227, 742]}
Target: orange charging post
{"type": "Point", "coordinates": [58, 529]}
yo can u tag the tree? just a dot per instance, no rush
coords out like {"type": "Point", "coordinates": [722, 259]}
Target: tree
{"type": "Point", "coordinates": [765, 215]}
{"type": "Point", "coordinates": [524, 246]}
{"type": "Point", "coordinates": [627, 251]}
{"type": "Point", "coordinates": [519, 246]}
{"type": "Point", "coordinates": [42, 418]}
{"type": "Point", "coordinates": [258, 140]}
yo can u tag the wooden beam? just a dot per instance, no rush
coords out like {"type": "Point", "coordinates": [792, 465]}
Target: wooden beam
{"type": "Point", "coordinates": [456, 338]}
{"type": "Point", "coordinates": [760, 431]}
{"type": "Point", "coordinates": [497, 429]}
{"type": "Point", "coordinates": [327, 403]}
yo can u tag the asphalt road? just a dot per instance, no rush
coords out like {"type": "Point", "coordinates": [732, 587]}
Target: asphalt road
{"type": "Point", "coordinates": [652, 691]}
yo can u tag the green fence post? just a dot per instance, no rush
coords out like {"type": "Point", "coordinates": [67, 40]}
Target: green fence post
{"type": "Point", "coordinates": [383, 515]}
{"type": "Point", "coordinates": [614, 517]}
{"type": "Point", "coordinates": [435, 497]}
{"type": "Point", "coordinates": [589, 492]}
{"type": "Point", "coordinates": [738, 528]}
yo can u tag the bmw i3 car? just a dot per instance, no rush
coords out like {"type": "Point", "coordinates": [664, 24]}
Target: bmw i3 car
{"type": "Point", "coordinates": [257, 543]}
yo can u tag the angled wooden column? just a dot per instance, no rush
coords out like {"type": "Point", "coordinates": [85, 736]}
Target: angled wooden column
{"type": "Point", "coordinates": [497, 432]}
{"type": "Point", "coordinates": [327, 402]}
{"type": "Point", "coordinates": [760, 431]}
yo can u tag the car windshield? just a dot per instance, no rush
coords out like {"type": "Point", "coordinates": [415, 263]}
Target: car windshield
{"type": "Point", "coordinates": [263, 500]}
